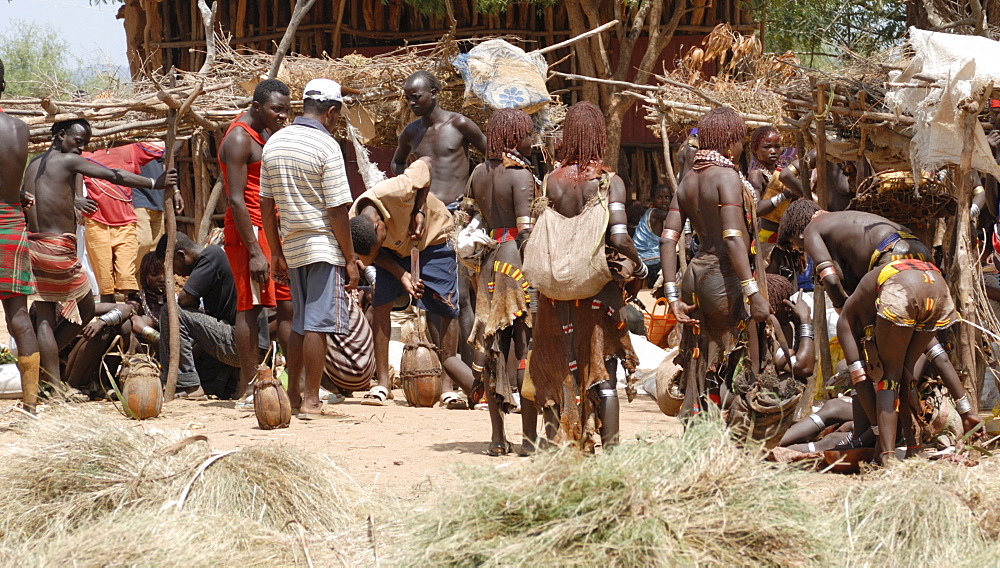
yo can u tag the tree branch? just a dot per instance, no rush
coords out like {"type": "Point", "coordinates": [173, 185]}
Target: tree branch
{"type": "Point", "coordinates": [208, 16]}
{"type": "Point", "coordinates": [298, 13]}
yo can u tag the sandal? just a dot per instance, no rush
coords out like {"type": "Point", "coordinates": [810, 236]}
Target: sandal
{"type": "Point", "coordinates": [378, 396]}
{"type": "Point", "coordinates": [453, 401]}
{"type": "Point", "coordinates": [499, 450]}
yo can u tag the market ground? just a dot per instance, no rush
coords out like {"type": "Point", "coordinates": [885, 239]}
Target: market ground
{"type": "Point", "coordinates": [396, 448]}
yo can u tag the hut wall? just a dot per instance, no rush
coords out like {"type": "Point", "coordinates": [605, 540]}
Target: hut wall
{"type": "Point", "coordinates": [162, 34]}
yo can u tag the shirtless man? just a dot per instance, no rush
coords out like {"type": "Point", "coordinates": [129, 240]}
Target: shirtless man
{"type": "Point", "coordinates": [53, 179]}
{"type": "Point", "coordinates": [445, 137]}
{"type": "Point", "coordinates": [572, 336]}
{"type": "Point", "coordinates": [244, 239]}
{"type": "Point", "coordinates": [16, 283]}
{"type": "Point", "coordinates": [845, 245]}
{"type": "Point", "coordinates": [719, 292]}
{"type": "Point", "coordinates": [503, 188]}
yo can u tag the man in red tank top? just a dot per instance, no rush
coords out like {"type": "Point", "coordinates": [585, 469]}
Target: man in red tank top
{"type": "Point", "coordinates": [245, 242]}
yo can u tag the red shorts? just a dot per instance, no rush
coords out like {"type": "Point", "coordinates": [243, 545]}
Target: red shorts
{"type": "Point", "coordinates": [248, 293]}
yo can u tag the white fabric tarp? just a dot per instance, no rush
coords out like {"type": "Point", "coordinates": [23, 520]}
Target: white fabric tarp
{"type": "Point", "coordinates": [963, 67]}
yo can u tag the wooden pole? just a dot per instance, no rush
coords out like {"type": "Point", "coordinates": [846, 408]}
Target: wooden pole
{"type": "Point", "coordinates": [206, 216]}
{"type": "Point", "coordinates": [819, 302]}
{"type": "Point", "coordinates": [298, 13]}
{"type": "Point", "coordinates": [170, 228]}
{"type": "Point", "coordinates": [209, 17]}
{"type": "Point", "coordinates": [573, 40]}
{"type": "Point", "coordinates": [672, 182]}
{"type": "Point", "coordinates": [964, 260]}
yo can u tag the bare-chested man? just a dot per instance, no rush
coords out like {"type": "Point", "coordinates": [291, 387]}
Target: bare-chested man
{"type": "Point", "coordinates": [62, 288]}
{"type": "Point", "coordinates": [16, 282]}
{"type": "Point", "coordinates": [503, 188]}
{"type": "Point", "coordinates": [445, 137]}
{"type": "Point", "coordinates": [244, 238]}
{"type": "Point", "coordinates": [845, 245]}
{"type": "Point", "coordinates": [577, 342]}
{"type": "Point", "coordinates": [719, 291]}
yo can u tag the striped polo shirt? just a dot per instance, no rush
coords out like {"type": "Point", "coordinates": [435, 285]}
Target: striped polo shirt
{"type": "Point", "coordinates": [302, 169]}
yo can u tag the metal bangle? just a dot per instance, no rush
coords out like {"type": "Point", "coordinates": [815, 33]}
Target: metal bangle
{"type": "Point", "coordinates": [858, 376]}
{"type": "Point", "coordinates": [732, 233]}
{"type": "Point", "coordinates": [152, 183]}
{"type": "Point", "coordinates": [793, 169]}
{"type": "Point", "coordinates": [750, 287]}
{"type": "Point", "coordinates": [974, 211]}
{"type": "Point", "coordinates": [823, 265]}
{"type": "Point", "coordinates": [524, 220]}
{"type": "Point", "coordinates": [806, 330]}
{"type": "Point", "coordinates": [150, 334]}
{"type": "Point", "coordinates": [978, 189]}
{"type": "Point", "coordinates": [114, 316]}
{"type": "Point", "coordinates": [670, 291]}
{"type": "Point", "coordinates": [817, 420]}
{"type": "Point", "coordinates": [828, 271]}
{"type": "Point", "coordinates": [778, 199]}
{"type": "Point", "coordinates": [641, 271]}
{"type": "Point", "coordinates": [963, 406]}
{"type": "Point", "coordinates": [671, 235]}
{"type": "Point", "coordinates": [856, 366]}
{"type": "Point", "coordinates": [616, 206]}
{"type": "Point", "coordinates": [935, 352]}
{"type": "Point", "coordinates": [619, 229]}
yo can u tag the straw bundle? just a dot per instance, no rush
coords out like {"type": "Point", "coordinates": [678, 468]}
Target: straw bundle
{"type": "Point", "coordinates": [74, 467]}
{"type": "Point", "coordinates": [696, 499]}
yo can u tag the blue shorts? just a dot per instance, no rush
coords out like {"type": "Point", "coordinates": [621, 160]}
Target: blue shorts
{"type": "Point", "coordinates": [438, 270]}
{"type": "Point", "coordinates": [319, 299]}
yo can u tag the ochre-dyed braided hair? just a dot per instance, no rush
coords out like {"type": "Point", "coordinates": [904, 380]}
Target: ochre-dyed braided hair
{"type": "Point", "coordinates": [149, 265]}
{"type": "Point", "coordinates": [719, 129]}
{"type": "Point", "coordinates": [759, 135]}
{"type": "Point", "coordinates": [584, 137]}
{"type": "Point", "coordinates": [505, 130]}
{"type": "Point", "coordinates": [794, 220]}
{"type": "Point", "coordinates": [778, 289]}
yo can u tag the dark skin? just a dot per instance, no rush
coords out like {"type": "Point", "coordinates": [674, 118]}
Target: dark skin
{"type": "Point", "coordinates": [661, 204]}
{"type": "Point", "coordinates": [456, 371]}
{"type": "Point", "coordinates": [307, 352]}
{"type": "Point", "coordinates": [841, 182]}
{"type": "Point", "coordinates": [767, 153]}
{"type": "Point", "coordinates": [899, 348]}
{"type": "Point", "coordinates": [569, 192]}
{"type": "Point", "coordinates": [503, 195]}
{"type": "Point", "coordinates": [442, 135]}
{"type": "Point", "coordinates": [237, 151]}
{"type": "Point", "coordinates": [13, 156]}
{"type": "Point", "coordinates": [698, 198]}
{"type": "Point", "coordinates": [848, 238]}
{"type": "Point", "coordinates": [790, 316]}
{"type": "Point", "coordinates": [56, 190]}
{"type": "Point", "coordinates": [685, 157]}
{"type": "Point", "coordinates": [84, 361]}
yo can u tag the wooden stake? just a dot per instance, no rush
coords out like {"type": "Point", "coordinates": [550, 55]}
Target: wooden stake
{"type": "Point", "coordinates": [573, 40]}
{"type": "Point", "coordinates": [298, 13]}
{"type": "Point", "coordinates": [206, 216]}
{"type": "Point", "coordinates": [170, 228]}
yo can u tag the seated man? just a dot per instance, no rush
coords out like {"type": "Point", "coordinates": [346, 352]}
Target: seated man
{"type": "Point", "coordinates": [387, 222]}
{"type": "Point", "coordinates": [209, 285]}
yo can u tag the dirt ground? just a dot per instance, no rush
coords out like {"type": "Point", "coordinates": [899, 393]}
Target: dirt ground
{"type": "Point", "coordinates": [396, 448]}
{"type": "Point", "coordinates": [399, 449]}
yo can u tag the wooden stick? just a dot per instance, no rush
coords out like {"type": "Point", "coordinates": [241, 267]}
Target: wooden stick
{"type": "Point", "coordinates": [573, 40]}
{"type": "Point", "coordinates": [206, 216]}
{"type": "Point", "coordinates": [170, 228]}
{"type": "Point", "coordinates": [298, 13]}
{"type": "Point", "coordinates": [208, 16]}
{"type": "Point", "coordinates": [638, 87]}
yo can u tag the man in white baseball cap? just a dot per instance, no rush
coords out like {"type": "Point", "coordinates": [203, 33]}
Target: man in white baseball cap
{"type": "Point", "coordinates": [303, 176]}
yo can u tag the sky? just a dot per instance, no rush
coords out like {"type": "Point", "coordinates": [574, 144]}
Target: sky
{"type": "Point", "coordinates": [92, 31]}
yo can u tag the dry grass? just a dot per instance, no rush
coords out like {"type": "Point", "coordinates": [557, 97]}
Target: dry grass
{"type": "Point", "coordinates": [87, 489]}
{"type": "Point", "coordinates": [696, 499]}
